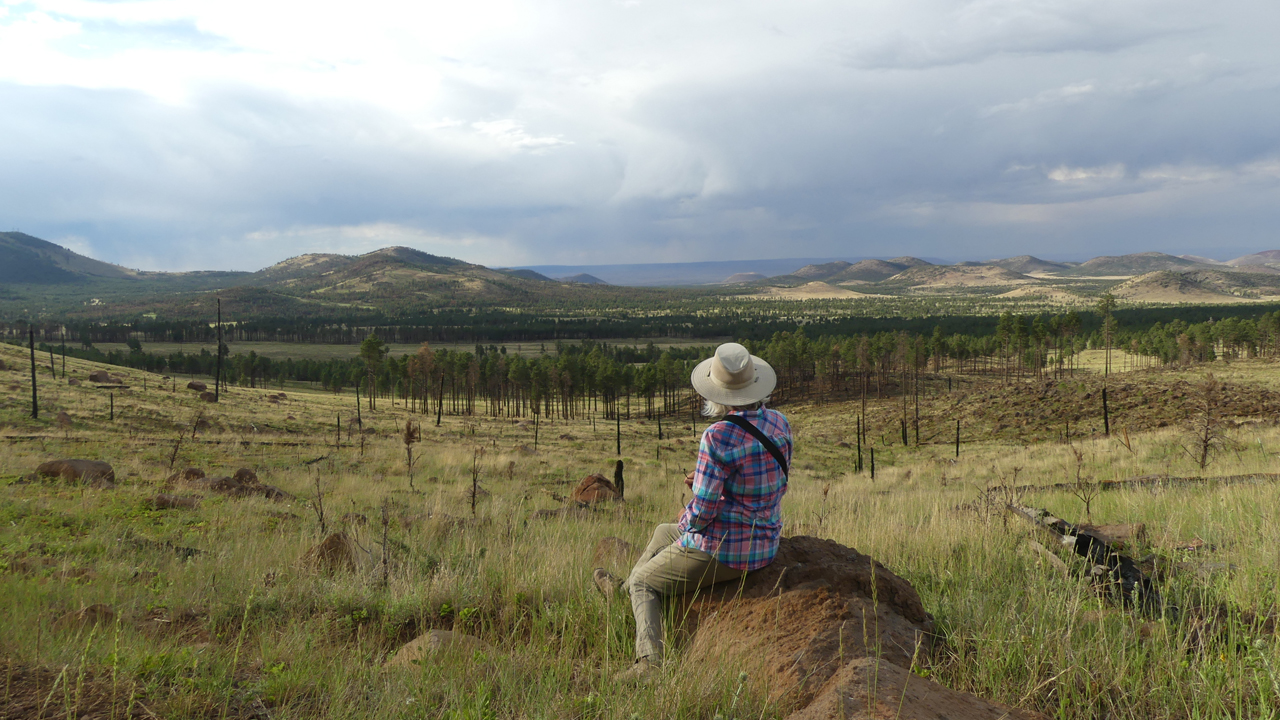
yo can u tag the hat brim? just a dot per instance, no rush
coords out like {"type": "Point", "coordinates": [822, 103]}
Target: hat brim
{"type": "Point", "coordinates": [758, 390]}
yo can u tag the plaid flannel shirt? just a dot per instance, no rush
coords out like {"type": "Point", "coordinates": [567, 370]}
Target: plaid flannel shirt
{"type": "Point", "coordinates": [735, 513]}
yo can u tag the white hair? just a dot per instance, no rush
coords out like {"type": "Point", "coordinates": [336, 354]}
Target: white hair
{"type": "Point", "coordinates": [715, 409]}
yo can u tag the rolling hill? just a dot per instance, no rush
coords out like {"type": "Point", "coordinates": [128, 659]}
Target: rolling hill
{"type": "Point", "coordinates": [27, 259]}
{"type": "Point", "coordinates": [1030, 264]}
{"type": "Point", "coordinates": [869, 271]}
{"type": "Point", "coordinates": [1135, 264]}
{"type": "Point", "coordinates": [935, 277]}
{"type": "Point", "coordinates": [583, 279]}
{"type": "Point", "coordinates": [1266, 257]}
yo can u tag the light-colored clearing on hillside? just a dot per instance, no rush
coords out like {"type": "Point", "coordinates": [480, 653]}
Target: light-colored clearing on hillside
{"type": "Point", "coordinates": [971, 277]}
{"type": "Point", "coordinates": [1050, 294]}
{"type": "Point", "coordinates": [810, 291]}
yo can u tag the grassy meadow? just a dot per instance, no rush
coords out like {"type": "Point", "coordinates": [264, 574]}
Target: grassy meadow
{"type": "Point", "coordinates": [214, 615]}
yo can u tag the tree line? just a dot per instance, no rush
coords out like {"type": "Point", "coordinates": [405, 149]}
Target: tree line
{"type": "Point", "coordinates": [572, 380]}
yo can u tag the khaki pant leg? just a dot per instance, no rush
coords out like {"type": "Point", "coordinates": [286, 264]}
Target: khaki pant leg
{"type": "Point", "coordinates": [672, 571]}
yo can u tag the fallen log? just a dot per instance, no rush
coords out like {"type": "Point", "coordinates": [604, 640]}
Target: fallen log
{"type": "Point", "coordinates": [1136, 588]}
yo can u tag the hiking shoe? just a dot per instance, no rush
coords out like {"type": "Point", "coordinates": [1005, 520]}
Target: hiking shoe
{"type": "Point", "coordinates": [607, 582]}
{"type": "Point", "coordinates": [641, 673]}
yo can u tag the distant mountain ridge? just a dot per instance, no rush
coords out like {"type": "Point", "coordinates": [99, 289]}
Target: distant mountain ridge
{"type": "Point", "coordinates": [394, 274]}
{"type": "Point", "coordinates": [27, 259]}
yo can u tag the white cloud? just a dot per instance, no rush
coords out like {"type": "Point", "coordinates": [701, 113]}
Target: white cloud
{"type": "Point", "coordinates": [1062, 173]}
{"type": "Point", "coordinates": [511, 134]}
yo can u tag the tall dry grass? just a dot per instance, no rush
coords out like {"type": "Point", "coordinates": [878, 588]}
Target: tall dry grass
{"type": "Point", "coordinates": [243, 622]}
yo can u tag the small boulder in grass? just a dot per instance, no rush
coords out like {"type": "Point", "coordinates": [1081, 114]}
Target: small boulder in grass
{"type": "Point", "coordinates": [73, 382]}
{"type": "Point", "coordinates": [197, 386]}
{"type": "Point", "coordinates": [100, 376]}
{"type": "Point", "coordinates": [208, 397]}
{"type": "Point", "coordinates": [435, 641]}
{"type": "Point", "coordinates": [190, 476]}
{"type": "Point", "coordinates": [271, 492]}
{"type": "Point", "coordinates": [95, 473]}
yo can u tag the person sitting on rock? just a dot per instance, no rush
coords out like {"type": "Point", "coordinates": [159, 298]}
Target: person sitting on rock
{"type": "Point", "coordinates": [733, 523]}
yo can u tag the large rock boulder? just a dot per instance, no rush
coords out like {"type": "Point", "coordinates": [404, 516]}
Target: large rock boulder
{"type": "Point", "coordinates": [839, 606]}
{"type": "Point", "coordinates": [594, 489]}
{"type": "Point", "coordinates": [197, 386]}
{"type": "Point", "coordinates": [94, 472]}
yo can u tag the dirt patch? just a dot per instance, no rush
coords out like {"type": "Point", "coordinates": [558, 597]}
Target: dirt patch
{"type": "Point", "coordinates": [98, 614]}
{"type": "Point", "coordinates": [63, 692]}
{"type": "Point", "coordinates": [186, 625]}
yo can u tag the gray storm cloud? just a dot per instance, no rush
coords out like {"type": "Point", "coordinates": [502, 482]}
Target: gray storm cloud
{"type": "Point", "coordinates": [645, 132]}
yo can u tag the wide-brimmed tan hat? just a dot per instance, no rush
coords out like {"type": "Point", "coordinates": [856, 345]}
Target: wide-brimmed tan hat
{"type": "Point", "coordinates": [734, 377]}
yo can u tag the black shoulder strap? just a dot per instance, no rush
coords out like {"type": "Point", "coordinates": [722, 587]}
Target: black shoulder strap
{"type": "Point", "coordinates": [768, 444]}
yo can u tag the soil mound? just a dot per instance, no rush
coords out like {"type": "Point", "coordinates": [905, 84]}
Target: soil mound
{"type": "Point", "coordinates": [434, 641]}
{"type": "Point", "coordinates": [594, 489]}
{"type": "Point", "coordinates": [797, 625]}
{"type": "Point", "coordinates": [867, 689]}
{"type": "Point", "coordinates": [337, 552]}
{"type": "Point", "coordinates": [95, 472]}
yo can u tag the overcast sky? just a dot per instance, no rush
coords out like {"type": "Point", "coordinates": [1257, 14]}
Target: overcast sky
{"type": "Point", "coordinates": [231, 134]}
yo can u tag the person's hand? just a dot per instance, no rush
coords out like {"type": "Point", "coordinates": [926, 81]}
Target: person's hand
{"type": "Point", "coordinates": [688, 480]}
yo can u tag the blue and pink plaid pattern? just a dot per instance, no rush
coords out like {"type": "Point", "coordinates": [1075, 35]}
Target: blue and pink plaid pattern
{"type": "Point", "coordinates": [735, 512]}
